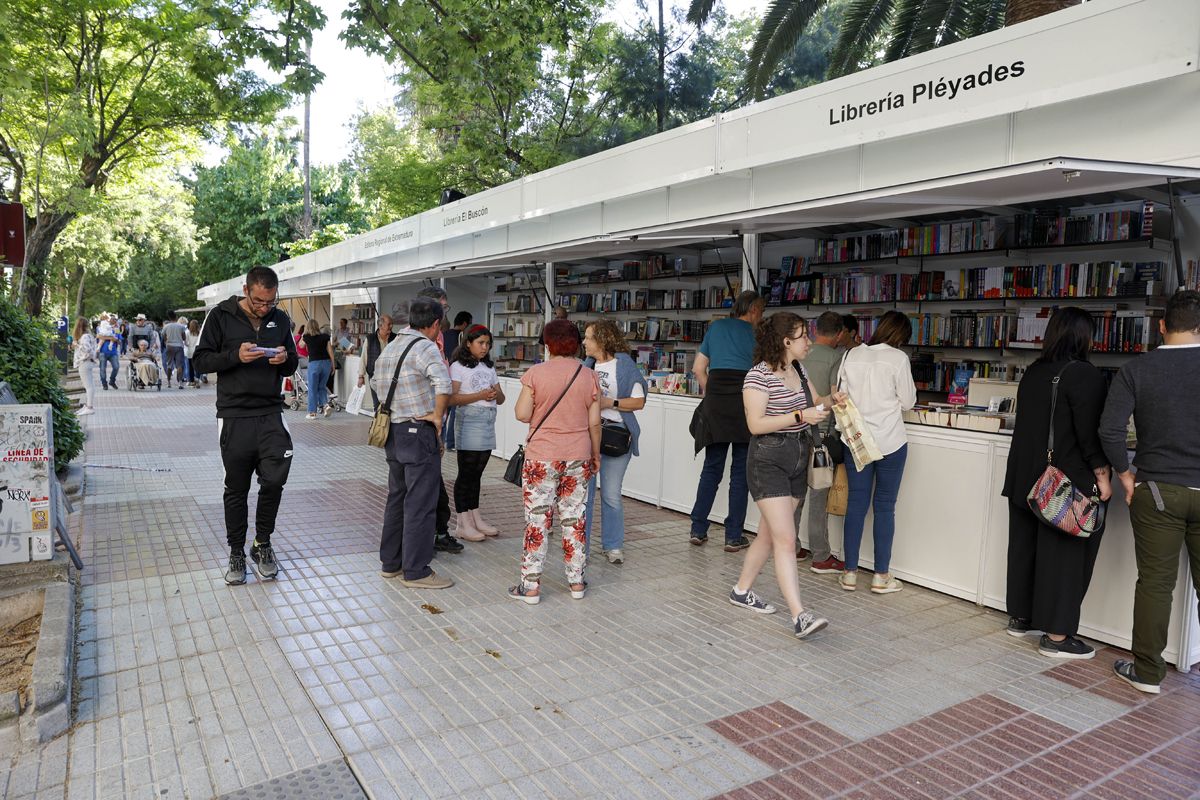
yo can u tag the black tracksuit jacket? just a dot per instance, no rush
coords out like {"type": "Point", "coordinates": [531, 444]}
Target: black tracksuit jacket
{"type": "Point", "coordinates": [245, 390]}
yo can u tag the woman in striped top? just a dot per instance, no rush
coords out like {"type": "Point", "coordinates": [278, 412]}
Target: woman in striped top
{"type": "Point", "coordinates": [780, 406]}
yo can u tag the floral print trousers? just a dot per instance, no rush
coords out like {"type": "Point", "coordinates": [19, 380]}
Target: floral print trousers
{"type": "Point", "coordinates": [549, 486]}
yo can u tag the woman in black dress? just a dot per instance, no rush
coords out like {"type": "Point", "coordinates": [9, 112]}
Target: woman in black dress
{"type": "Point", "coordinates": [1048, 570]}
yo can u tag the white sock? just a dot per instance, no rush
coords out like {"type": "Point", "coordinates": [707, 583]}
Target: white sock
{"type": "Point", "coordinates": [739, 590]}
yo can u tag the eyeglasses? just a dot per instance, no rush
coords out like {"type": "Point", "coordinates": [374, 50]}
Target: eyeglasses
{"type": "Point", "coordinates": [254, 301]}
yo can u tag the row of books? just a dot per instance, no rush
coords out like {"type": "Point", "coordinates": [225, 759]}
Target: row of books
{"type": "Point", "coordinates": [989, 233]}
{"type": "Point", "coordinates": [1039, 230]}
{"type": "Point", "coordinates": [519, 328]}
{"type": "Point", "coordinates": [933, 374]}
{"type": "Point", "coordinates": [523, 303]}
{"type": "Point", "coordinates": [1097, 279]}
{"type": "Point", "coordinates": [518, 351]}
{"type": "Point", "coordinates": [652, 357]}
{"type": "Point", "coordinates": [1191, 275]}
{"type": "Point", "coordinates": [963, 329]}
{"type": "Point", "coordinates": [644, 300]}
{"type": "Point", "coordinates": [1113, 331]}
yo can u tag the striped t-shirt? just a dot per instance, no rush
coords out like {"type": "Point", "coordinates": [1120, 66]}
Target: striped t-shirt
{"type": "Point", "coordinates": [780, 399]}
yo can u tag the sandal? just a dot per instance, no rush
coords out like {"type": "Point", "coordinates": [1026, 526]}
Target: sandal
{"type": "Point", "coordinates": [525, 594]}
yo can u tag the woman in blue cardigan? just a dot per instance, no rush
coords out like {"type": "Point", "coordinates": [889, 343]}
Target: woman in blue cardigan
{"type": "Point", "coordinates": [623, 389]}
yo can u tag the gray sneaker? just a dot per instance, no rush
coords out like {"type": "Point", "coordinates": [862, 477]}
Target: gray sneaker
{"type": "Point", "coordinates": [236, 574]}
{"type": "Point", "coordinates": [750, 601]}
{"type": "Point", "coordinates": [263, 557]}
{"type": "Point", "coordinates": [809, 623]}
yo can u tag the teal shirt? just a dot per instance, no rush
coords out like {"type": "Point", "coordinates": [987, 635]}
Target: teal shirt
{"type": "Point", "coordinates": [729, 344]}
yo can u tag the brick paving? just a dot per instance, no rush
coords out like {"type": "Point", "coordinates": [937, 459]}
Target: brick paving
{"type": "Point", "coordinates": [652, 687]}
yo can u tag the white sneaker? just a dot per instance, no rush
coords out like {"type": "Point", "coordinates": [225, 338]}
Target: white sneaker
{"type": "Point", "coordinates": [615, 556]}
{"type": "Point", "coordinates": [85, 410]}
{"type": "Point", "coordinates": [310, 416]}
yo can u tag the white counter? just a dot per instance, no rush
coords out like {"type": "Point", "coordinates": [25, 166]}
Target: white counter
{"type": "Point", "coordinates": [951, 522]}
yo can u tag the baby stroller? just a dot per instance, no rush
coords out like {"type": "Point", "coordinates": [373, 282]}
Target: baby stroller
{"type": "Point", "coordinates": [295, 390]}
{"type": "Point", "coordinates": [142, 379]}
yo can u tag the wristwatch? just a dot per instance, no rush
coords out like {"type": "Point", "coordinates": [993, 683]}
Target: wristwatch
{"type": "Point", "coordinates": [799, 417]}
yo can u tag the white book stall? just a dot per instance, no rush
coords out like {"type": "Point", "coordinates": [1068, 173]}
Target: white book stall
{"type": "Point", "coordinates": [974, 187]}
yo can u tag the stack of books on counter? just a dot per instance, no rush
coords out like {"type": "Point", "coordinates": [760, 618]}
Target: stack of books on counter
{"type": "Point", "coordinates": [944, 416]}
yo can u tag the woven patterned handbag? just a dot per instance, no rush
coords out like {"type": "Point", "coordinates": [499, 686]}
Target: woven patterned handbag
{"type": "Point", "coordinates": [1054, 498]}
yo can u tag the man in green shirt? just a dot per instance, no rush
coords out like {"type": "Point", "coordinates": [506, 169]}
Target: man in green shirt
{"type": "Point", "coordinates": [822, 363]}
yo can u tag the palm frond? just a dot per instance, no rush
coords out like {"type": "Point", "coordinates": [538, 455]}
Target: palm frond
{"type": "Point", "coordinates": [955, 21]}
{"type": "Point", "coordinates": [910, 28]}
{"type": "Point", "coordinates": [984, 16]}
{"type": "Point", "coordinates": [777, 35]}
{"type": "Point", "coordinates": [699, 11]}
{"type": "Point", "coordinates": [861, 26]}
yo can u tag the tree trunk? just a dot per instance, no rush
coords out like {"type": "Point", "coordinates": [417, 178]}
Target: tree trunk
{"type": "Point", "coordinates": [661, 89]}
{"type": "Point", "coordinates": [79, 292]}
{"type": "Point", "coordinates": [37, 257]}
{"type": "Point", "coordinates": [1022, 10]}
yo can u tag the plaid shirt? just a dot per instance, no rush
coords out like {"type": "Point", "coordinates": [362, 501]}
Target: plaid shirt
{"type": "Point", "coordinates": [422, 377]}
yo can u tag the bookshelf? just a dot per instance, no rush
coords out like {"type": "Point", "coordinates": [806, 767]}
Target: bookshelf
{"type": "Point", "coordinates": [980, 291]}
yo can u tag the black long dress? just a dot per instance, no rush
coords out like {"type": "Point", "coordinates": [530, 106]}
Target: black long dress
{"type": "Point", "coordinates": [1049, 571]}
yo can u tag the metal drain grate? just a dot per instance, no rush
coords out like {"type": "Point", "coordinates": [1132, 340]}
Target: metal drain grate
{"type": "Point", "coordinates": [330, 781]}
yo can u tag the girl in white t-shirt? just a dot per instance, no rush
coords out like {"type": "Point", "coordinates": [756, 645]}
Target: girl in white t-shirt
{"type": "Point", "coordinates": [476, 395]}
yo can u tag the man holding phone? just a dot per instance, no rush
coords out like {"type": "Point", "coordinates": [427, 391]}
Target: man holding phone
{"type": "Point", "coordinates": [247, 342]}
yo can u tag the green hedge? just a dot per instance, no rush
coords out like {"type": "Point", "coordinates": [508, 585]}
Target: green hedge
{"type": "Point", "coordinates": [31, 370]}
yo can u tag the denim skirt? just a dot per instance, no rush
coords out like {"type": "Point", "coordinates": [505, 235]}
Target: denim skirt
{"type": "Point", "coordinates": [777, 465]}
{"type": "Point", "coordinates": [475, 427]}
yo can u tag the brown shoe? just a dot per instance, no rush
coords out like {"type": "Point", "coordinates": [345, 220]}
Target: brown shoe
{"type": "Point", "coordinates": [430, 581]}
{"type": "Point", "coordinates": [386, 574]}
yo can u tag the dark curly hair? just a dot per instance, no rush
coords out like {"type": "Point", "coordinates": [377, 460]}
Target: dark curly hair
{"type": "Point", "coordinates": [769, 336]}
{"type": "Point", "coordinates": [462, 353]}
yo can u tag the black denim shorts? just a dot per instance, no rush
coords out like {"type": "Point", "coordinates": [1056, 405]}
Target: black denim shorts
{"type": "Point", "coordinates": [777, 465]}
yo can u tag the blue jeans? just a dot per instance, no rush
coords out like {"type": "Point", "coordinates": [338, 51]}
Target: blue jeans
{"type": "Point", "coordinates": [612, 526]}
{"type": "Point", "coordinates": [885, 475]}
{"type": "Point", "coordinates": [318, 375]}
{"type": "Point", "coordinates": [113, 362]}
{"type": "Point", "coordinates": [710, 481]}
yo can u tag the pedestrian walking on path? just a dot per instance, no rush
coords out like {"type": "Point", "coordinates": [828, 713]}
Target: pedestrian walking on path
{"type": "Point", "coordinates": [86, 357]}
{"type": "Point", "coordinates": [780, 406]}
{"type": "Point", "coordinates": [1159, 389]}
{"type": "Point", "coordinates": [247, 342]}
{"type": "Point", "coordinates": [413, 383]}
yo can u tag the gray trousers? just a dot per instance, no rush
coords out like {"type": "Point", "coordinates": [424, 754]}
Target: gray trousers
{"type": "Point", "coordinates": [818, 523]}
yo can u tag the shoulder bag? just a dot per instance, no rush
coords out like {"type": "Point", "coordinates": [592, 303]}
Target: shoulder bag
{"type": "Point", "coordinates": [516, 465]}
{"type": "Point", "coordinates": [820, 464]}
{"type": "Point", "coordinates": [381, 424]}
{"type": "Point", "coordinates": [860, 440]}
{"type": "Point", "coordinates": [1055, 500]}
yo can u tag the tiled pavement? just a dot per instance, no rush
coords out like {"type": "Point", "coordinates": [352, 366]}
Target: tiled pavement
{"type": "Point", "coordinates": [653, 687]}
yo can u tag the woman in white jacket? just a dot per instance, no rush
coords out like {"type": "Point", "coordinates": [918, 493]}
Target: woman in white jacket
{"type": "Point", "coordinates": [878, 378]}
{"type": "Point", "coordinates": [86, 358]}
{"type": "Point", "coordinates": [191, 339]}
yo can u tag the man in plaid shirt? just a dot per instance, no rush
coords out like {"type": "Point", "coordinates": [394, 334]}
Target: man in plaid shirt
{"type": "Point", "coordinates": [413, 447]}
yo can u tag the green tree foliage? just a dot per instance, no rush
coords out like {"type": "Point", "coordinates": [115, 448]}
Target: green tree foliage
{"type": "Point", "coordinates": [135, 252]}
{"type": "Point", "coordinates": [32, 372]}
{"type": "Point", "coordinates": [97, 89]}
{"type": "Point", "coordinates": [705, 70]}
{"type": "Point", "coordinates": [248, 207]}
{"type": "Point", "coordinates": [875, 31]}
{"type": "Point", "coordinates": [399, 169]}
{"type": "Point", "coordinates": [504, 88]}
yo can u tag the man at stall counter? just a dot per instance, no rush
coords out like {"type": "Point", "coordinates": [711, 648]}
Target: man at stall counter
{"type": "Point", "coordinates": [1159, 389]}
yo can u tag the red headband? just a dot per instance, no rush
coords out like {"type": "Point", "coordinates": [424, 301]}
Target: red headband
{"type": "Point", "coordinates": [478, 329]}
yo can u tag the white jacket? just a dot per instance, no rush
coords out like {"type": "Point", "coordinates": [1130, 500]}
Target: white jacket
{"type": "Point", "coordinates": [878, 379]}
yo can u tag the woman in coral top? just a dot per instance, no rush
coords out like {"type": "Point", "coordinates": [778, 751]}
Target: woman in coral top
{"type": "Point", "coordinates": [562, 453]}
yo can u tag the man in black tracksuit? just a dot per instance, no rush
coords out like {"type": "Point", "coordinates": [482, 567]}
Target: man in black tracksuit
{"type": "Point", "coordinates": [247, 342]}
